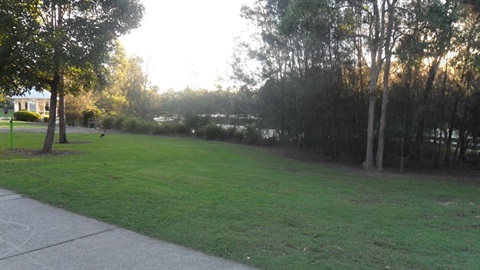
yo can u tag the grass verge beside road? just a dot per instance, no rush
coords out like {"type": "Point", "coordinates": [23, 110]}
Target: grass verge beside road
{"type": "Point", "coordinates": [5, 123]}
{"type": "Point", "coordinates": [248, 205]}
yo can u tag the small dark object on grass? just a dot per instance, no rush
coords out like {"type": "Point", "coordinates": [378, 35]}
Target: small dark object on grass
{"type": "Point", "coordinates": [103, 134]}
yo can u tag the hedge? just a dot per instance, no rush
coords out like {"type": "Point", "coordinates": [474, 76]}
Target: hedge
{"type": "Point", "coordinates": [24, 115]}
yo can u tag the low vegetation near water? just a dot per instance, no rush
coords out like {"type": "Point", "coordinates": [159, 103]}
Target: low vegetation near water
{"type": "Point", "coordinates": [249, 205]}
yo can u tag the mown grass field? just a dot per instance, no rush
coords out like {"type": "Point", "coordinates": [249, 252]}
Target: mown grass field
{"type": "Point", "coordinates": [251, 206]}
{"type": "Point", "coordinates": [5, 124]}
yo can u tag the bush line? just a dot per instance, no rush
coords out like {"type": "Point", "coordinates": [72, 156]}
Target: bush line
{"type": "Point", "coordinates": [249, 135]}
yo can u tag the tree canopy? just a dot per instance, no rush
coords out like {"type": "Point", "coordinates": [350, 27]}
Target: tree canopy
{"type": "Point", "coordinates": [41, 40]}
{"type": "Point", "coordinates": [325, 64]}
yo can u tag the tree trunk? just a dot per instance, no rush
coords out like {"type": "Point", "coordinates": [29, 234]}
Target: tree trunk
{"type": "Point", "coordinates": [61, 116]}
{"type": "Point", "coordinates": [463, 133]}
{"type": "Point", "coordinates": [370, 133]}
{"type": "Point", "coordinates": [422, 110]}
{"type": "Point", "coordinates": [436, 145]}
{"type": "Point", "coordinates": [448, 142]}
{"type": "Point", "coordinates": [376, 44]}
{"type": "Point", "coordinates": [48, 143]}
{"type": "Point", "coordinates": [386, 89]}
{"type": "Point", "coordinates": [462, 142]}
{"type": "Point", "coordinates": [383, 125]}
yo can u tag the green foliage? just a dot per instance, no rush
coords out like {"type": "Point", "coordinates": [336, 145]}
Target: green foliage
{"type": "Point", "coordinates": [139, 126]}
{"type": "Point", "coordinates": [270, 141]}
{"type": "Point", "coordinates": [125, 92]}
{"type": "Point", "coordinates": [171, 129]}
{"type": "Point", "coordinates": [219, 133]}
{"type": "Point", "coordinates": [106, 122]}
{"type": "Point", "coordinates": [249, 135]}
{"type": "Point", "coordinates": [195, 122]}
{"type": "Point", "coordinates": [24, 115]}
{"type": "Point", "coordinates": [89, 116]}
{"type": "Point", "coordinates": [231, 133]}
{"type": "Point", "coordinates": [118, 122]}
{"type": "Point", "coordinates": [190, 104]}
{"type": "Point", "coordinates": [135, 125]}
{"type": "Point", "coordinates": [180, 129]}
{"type": "Point", "coordinates": [161, 130]}
{"type": "Point", "coordinates": [238, 136]}
{"type": "Point", "coordinates": [314, 85]}
{"type": "Point", "coordinates": [252, 135]}
{"type": "Point", "coordinates": [81, 37]}
{"type": "Point", "coordinates": [42, 41]}
{"type": "Point", "coordinates": [215, 132]}
{"type": "Point", "coordinates": [128, 124]}
{"type": "Point", "coordinates": [77, 103]}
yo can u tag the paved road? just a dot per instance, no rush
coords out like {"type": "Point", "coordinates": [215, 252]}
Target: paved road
{"type": "Point", "coordinates": [37, 236]}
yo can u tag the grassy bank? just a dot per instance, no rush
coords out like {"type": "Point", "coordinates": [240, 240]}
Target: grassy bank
{"type": "Point", "coordinates": [245, 204]}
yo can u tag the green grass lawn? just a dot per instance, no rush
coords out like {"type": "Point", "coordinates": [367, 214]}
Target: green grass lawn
{"type": "Point", "coordinates": [248, 205]}
{"type": "Point", "coordinates": [5, 123]}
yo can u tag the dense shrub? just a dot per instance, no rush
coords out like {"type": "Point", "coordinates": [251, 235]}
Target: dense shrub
{"type": "Point", "coordinates": [107, 122]}
{"type": "Point", "coordinates": [118, 122]}
{"type": "Point", "coordinates": [171, 129]}
{"type": "Point", "coordinates": [129, 124]}
{"type": "Point", "coordinates": [162, 129]}
{"type": "Point", "coordinates": [249, 135]}
{"type": "Point", "coordinates": [26, 116]}
{"type": "Point", "coordinates": [73, 117]}
{"type": "Point", "coordinates": [230, 133]}
{"type": "Point", "coordinates": [252, 135]}
{"type": "Point", "coordinates": [194, 122]}
{"type": "Point", "coordinates": [135, 125]}
{"type": "Point", "coordinates": [89, 116]}
{"type": "Point", "coordinates": [180, 129]}
{"type": "Point", "coordinates": [217, 132]}
{"type": "Point", "coordinates": [238, 136]}
{"type": "Point", "coordinates": [271, 141]}
{"type": "Point", "coordinates": [145, 127]}
{"type": "Point", "coordinates": [214, 132]}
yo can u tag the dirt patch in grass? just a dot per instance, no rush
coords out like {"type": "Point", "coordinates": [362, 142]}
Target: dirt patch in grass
{"type": "Point", "coordinates": [36, 152]}
{"type": "Point", "coordinates": [458, 173]}
{"type": "Point", "coordinates": [367, 199]}
{"type": "Point", "coordinates": [446, 203]}
{"type": "Point", "coordinates": [78, 142]}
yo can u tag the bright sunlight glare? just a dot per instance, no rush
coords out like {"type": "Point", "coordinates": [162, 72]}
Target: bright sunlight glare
{"type": "Point", "coordinates": [187, 43]}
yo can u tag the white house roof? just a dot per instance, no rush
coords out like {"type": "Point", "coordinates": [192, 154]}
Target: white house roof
{"type": "Point", "coordinates": [33, 94]}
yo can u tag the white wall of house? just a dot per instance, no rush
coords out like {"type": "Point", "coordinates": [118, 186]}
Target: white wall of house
{"type": "Point", "coordinates": [32, 101]}
{"type": "Point", "coordinates": [33, 105]}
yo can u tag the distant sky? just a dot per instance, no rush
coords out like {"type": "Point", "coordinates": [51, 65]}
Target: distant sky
{"type": "Point", "coordinates": [186, 42]}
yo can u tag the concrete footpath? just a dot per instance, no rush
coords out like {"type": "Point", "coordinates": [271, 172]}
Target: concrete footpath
{"type": "Point", "coordinates": [36, 236]}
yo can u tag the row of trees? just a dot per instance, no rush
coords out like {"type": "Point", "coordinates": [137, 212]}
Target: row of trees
{"type": "Point", "coordinates": [315, 71]}
{"type": "Point", "coordinates": [326, 64]}
{"type": "Point", "coordinates": [125, 91]}
{"type": "Point", "coordinates": [128, 93]}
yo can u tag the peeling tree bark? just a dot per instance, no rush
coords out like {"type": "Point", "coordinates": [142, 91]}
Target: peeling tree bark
{"type": "Point", "coordinates": [386, 88]}
{"type": "Point", "coordinates": [376, 38]}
